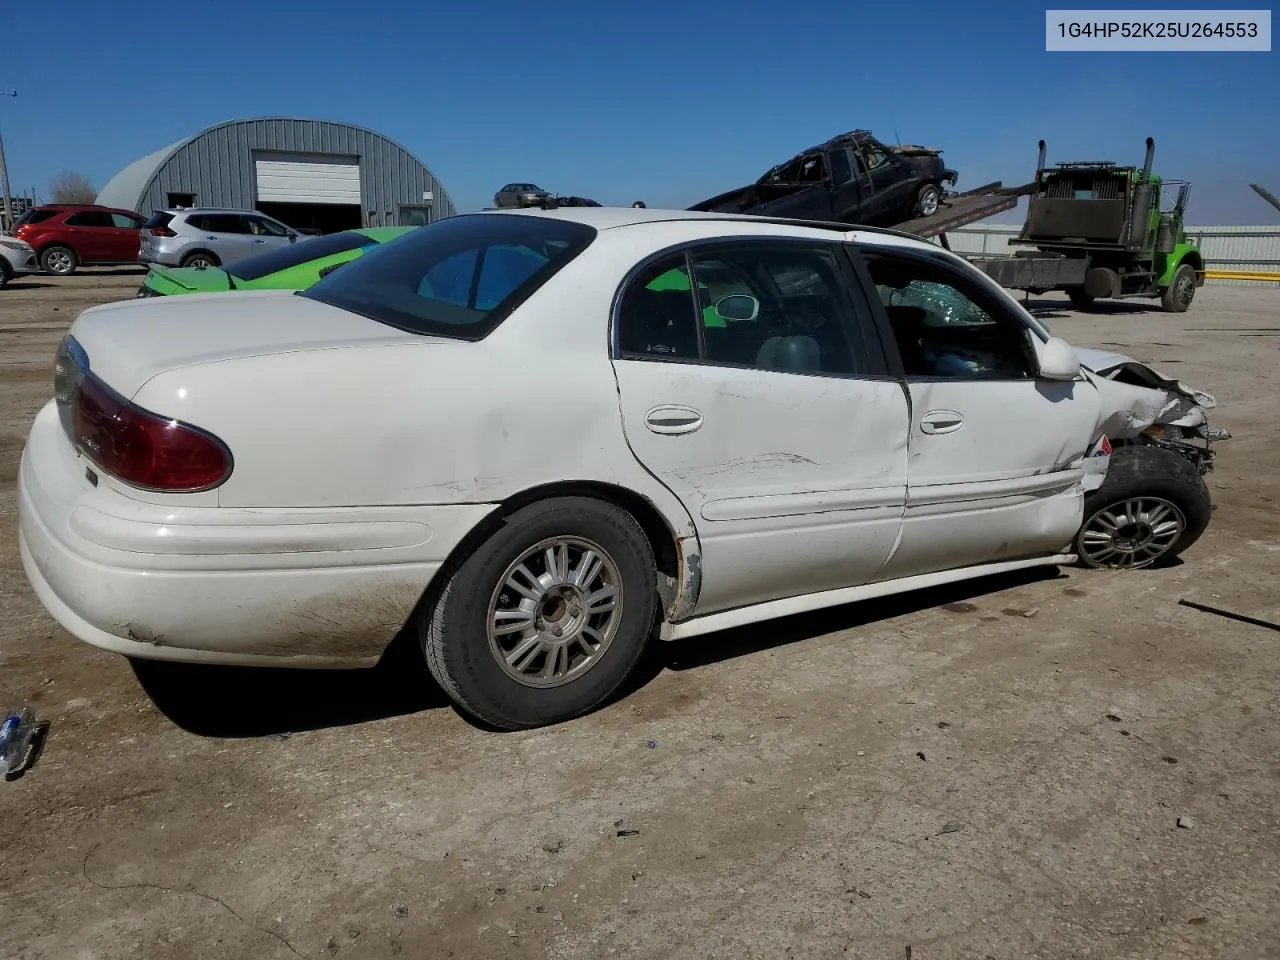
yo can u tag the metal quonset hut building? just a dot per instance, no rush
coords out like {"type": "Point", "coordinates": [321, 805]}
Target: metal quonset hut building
{"type": "Point", "coordinates": [310, 174]}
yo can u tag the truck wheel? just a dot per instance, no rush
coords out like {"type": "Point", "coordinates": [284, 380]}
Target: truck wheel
{"type": "Point", "coordinates": [927, 200]}
{"type": "Point", "coordinates": [1181, 290]}
{"type": "Point", "coordinates": [1079, 298]}
{"type": "Point", "coordinates": [547, 618]}
{"type": "Point", "coordinates": [1152, 505]}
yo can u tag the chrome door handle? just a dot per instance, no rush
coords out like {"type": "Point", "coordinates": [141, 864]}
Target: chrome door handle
{"type": "Point", "coordinates": [259, 241]}
{"type": "Point", "coordinates": [670, 420]}
{"type": "Point", "coordinates": [941, 421]}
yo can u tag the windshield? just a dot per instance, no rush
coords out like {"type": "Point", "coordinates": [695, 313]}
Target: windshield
{"type": "Point", "coordinates": [458, 277]}
{"type": "Point", "coordinates": [282, 258]}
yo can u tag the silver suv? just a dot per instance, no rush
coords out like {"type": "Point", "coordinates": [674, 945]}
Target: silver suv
{"type": "Point", "coordinates": [205, 237]}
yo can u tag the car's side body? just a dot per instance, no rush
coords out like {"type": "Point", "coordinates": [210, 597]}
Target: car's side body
{"type": "Point", "coordinates": [514, 195]}
{"type": "Point", "coordinates": [294, 267]}
{"type": "Point", "coordinates": [191, 236]}
{"type": "Point", "coordinates": [68, 235]}
{"type": "Point", "coordinates": [368, 458]}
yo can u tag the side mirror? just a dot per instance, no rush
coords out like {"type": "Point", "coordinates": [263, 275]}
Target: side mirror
{"type": "Point", "coordinates": [293, 237]}
{"type": "Point", "coordinates": [1057, 359]}
{"type": "Point", "coordinates": [737, 307]}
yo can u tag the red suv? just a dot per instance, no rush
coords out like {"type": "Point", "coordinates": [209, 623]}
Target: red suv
{"type": "Point", "coordinates": [68, 235]}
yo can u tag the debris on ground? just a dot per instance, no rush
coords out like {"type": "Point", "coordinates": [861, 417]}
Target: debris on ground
{"type": "Point", "coordinates": [628, 833]}
{"type": "Point", "coordinates": [920, 754]}
{"type": "Point", "coordinates": [1230, 615]}
{"type": "Point", "coordinates": [651, 744]}
{"type": "Point", "coordinates": [1113, 717]}
{"type": "Point", "coordinates": [952, 827]}
{"type": "Point", "coordinates": [16, 734]}
{"type": "Point", "coordinates": [554, 845]}
{"type": "Point", "coordinates": [1168, 759]}
{"type": "Point", "coordinates": [1184, 823]}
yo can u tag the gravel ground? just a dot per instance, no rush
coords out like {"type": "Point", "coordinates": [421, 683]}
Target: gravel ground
{"type": "Point", "coordinates": [992, 770]}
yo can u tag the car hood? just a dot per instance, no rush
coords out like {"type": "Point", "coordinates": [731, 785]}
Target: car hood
{"type": "Point", "coordinates": [131, 341]}
{"type": "Point", "coordinates": [1138, 396]}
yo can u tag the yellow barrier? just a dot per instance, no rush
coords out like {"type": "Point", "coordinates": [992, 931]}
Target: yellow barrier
{"type": "Point", "coordinates": [1240, 275]}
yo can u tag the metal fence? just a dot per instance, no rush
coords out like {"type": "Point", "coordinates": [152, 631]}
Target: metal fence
{"type": "Point", "coordinates": [1243, 249]}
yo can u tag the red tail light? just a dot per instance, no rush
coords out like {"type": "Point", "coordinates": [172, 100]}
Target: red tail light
{"type": "Point", "coordinates": [161, 232]}
{"type": "Point", "coordinates": [134, 445]}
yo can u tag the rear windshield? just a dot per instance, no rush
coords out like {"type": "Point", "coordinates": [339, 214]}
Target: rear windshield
{"type": "Point", "coordinates": [282, 258]}
{"type": "Point", "coordinates": [158, 219]}
{"type": "Point", "coordinates": [458, 277]}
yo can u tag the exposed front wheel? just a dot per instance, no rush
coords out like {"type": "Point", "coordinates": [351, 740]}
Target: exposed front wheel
{"type": "Point", "coordinates": [547, 618]}
{"type": "Point", "coordinates": [59, 261]}
{"type": "Point", "coordinates": [1152, 505]}
{"type": "Point", "coordinates": [927, 200]}
{"type": "Point", "coordinates": [1181, 291]}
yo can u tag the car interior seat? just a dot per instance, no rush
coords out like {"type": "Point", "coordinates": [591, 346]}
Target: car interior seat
{"type": "Point", "coordinates": [790, 353]}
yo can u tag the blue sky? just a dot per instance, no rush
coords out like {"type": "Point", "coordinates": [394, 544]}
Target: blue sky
{"type": "Point", "coordinates": [669, 102]}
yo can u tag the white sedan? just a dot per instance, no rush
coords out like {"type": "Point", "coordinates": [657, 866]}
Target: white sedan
{"type": "Point", "coordinates": [17, 258]}
{"type": "Point", "coordinates": [540, 438]}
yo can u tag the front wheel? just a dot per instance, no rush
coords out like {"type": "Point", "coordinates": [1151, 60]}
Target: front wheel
{"type": "Point", "coordinates": [1152, 506]}
{"type": "Point", "coordinates": [927, 200]}
{"type": "Point", "coordinates": [1079, 299]}
{"type": "Point", "coordinates": [1181, 291]}
{"type": "Point", "coordinates": [547, 618]}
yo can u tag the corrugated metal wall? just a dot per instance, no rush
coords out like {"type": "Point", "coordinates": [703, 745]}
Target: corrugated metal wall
{"type": "Point", "coordinates": [1255, 249]}
{"type": "Point", "coordinates": [218, 167]}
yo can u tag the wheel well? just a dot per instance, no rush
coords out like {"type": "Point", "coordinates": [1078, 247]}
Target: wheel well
{"type": "Point", "coordinates": [662, 539]}
{"type": "Point", "coordinates": [208, 253]}
{"type": "Point", "coordinates": [1194, 259]}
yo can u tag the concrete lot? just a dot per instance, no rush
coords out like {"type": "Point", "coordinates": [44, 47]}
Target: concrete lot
{"type": "Point", "coordinates": [994, 770]}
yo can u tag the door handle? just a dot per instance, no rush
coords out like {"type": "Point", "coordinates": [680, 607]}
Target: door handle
{"type": "Point", "coordinates": [259, 241]}
{"type": "Point", "coordinates": [941, 421]}
{"type": "Point", "coordinates": [673, 420]}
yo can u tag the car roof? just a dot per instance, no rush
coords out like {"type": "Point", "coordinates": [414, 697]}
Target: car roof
{"type": "Point", "coordinates": [615, 218]}
{"type": "Point", "coordinates": [177, 210]}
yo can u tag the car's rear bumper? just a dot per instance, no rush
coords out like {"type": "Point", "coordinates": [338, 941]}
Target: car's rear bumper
{"type": "Point", "coordinates": [209, 584]}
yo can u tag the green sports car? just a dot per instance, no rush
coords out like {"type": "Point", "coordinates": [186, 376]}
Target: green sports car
{"type": "Point", "coordinates": [293, 267]}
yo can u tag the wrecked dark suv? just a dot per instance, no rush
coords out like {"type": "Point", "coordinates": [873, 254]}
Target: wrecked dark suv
{"type": "Point", "coordinates": [852, 178]}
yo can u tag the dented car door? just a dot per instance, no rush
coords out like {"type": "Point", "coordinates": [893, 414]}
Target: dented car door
{"type": "Point", "coordinates": [755, 396]}
{"type": "Point", "coordinates": [995, 452]}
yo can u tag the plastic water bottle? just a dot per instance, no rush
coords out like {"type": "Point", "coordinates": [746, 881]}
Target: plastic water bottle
{"type": "Point", "coordinates": [15, 734]}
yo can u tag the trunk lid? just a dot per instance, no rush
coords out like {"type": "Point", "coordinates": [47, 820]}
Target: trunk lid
{"type": "Point", "coordinates": [129, 342]}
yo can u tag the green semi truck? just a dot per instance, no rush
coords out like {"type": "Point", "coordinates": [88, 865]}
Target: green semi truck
{"type": "Point", "coordinates": [1102, 231]}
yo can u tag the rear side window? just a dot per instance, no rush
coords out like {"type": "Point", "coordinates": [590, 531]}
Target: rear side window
{"type": "Point", "coordinates": [158, 219]}
{"type": "Point", "coordinates": [295, 254]}
{"type": "Point", "coordinates": [459, 277]}
{"type": "Point", "coordinates": [90, 218]}
{"type": "Point", "coordinates": [34, 216]}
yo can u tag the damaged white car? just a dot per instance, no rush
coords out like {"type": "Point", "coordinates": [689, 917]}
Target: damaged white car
{"type": "Point", "coordinates": [540, 438]}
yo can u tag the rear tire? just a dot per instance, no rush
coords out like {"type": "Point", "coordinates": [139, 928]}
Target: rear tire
{"type": "Point", "coordinates": [1152, 506]}
{"type": "Point", "coordinates": [59, 261]}
{"type": "Point", "coordinates": [1079, 299]}
{"type": "Point", "coordinates": [1181, 291]}
{"type": "Point", "coordinates": [201, 258]}
{"type": "Point", "coordinates": [6, 274]}
{"type": "Point", "coordinates": [512, 639]}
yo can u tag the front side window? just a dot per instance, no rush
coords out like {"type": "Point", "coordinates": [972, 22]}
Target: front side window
{"type": "Point", "coordinates": [458, 277]}
{"type": "Point", "coordinates": [875, 158]}
{"type": "Point", "coordinates": [945, 325]}
{"type": "Point", "coordinates": [268, 228]}
{"type": "Point", "coordinates": [771, 306]}
{"type": "Point", "coordinates": [841, 170]}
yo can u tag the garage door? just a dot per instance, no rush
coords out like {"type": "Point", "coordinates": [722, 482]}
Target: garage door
{"type": "Point", "coordinates": [294, 181]}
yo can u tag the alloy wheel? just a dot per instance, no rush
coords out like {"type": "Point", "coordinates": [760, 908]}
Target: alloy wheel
{"type": "Point", "coordinates": [1132, 533]}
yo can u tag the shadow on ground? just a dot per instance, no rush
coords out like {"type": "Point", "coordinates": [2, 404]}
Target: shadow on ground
{"type": "Point", "coordinates": [239, 702]}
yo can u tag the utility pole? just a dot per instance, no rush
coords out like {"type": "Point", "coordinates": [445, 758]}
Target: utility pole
{"type": "Point", "coordinates": [6, 218]}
